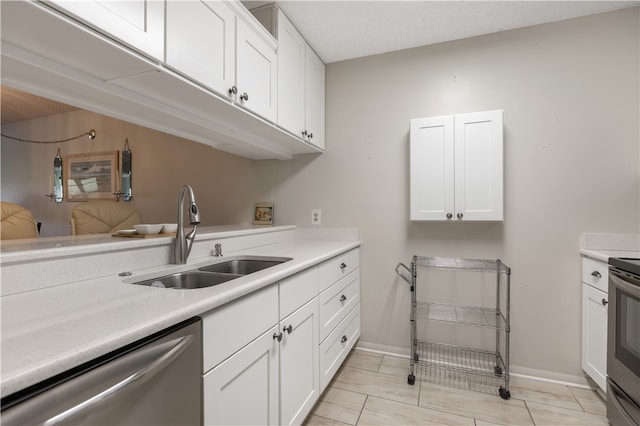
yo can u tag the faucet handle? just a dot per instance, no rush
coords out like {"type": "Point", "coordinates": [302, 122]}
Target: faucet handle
{"type": "Point", "coordinates": [217, 250]}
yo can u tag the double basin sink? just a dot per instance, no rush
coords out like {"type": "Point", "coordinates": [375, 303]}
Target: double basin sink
{"type": "Point", "coordinates": [216, 273]}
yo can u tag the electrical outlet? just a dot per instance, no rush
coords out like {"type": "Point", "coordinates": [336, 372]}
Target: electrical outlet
{"type": "Point", "coordinates": [316, 216]}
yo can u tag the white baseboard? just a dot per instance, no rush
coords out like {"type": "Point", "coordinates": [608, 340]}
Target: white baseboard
{"type": "Point", "coordinates": [515, 371]}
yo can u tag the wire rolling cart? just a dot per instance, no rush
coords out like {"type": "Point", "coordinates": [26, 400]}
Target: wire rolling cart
{"type": "Point", "coordinates": [475, 366]}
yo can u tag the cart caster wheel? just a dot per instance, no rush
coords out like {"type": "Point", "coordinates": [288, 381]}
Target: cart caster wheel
{"type": "Point", "coordinates": [497, 371]}
{"type": "Point", "coordinates": [411, 379]}
{"type": "Point", "coordinates": [504, 394]}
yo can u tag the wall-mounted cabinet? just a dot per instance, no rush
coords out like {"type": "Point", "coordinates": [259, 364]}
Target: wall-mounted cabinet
{"type": "Point", "coordinates": [301, 78]}
{"type": "Point", "coordinates": [137, 23]}
{"type": "Point", "coordinates": [456, 167]}
{"type": "Point", "coordinates": [215, 84]}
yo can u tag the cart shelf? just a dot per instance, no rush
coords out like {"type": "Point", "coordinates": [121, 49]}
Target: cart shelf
{"type": "Point", "coordinates": [459, 314]}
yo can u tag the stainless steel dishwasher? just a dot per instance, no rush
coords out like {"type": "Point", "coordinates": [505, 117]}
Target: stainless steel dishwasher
{"type": "Point", "coordinates": [155, 381]}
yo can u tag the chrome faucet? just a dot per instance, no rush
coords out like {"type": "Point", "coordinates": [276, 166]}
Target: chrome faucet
{"type": "Point", "coordinates": [183, 243]}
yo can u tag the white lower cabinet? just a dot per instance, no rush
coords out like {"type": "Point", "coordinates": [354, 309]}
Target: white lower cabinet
{"type": "Point", "coordinates": [243, 390]}
{"type": "Point", "coordinates": [299, 365]}
{"type": "Point", "coordinates": [594, 320]}
{"type": "Point", "coordinates": [264, 361]}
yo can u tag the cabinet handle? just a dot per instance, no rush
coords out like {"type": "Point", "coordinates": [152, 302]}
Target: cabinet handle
{"type": "Point", "coordinates": [344, 339]}
{"type": "Point", "coordinates": [449, 215]}
{"type": "Point", "coordinates": [244, 97]}
{"type": "Point", "coordinates": [310, 135]}
{"type": "Point", "coordinates": [343, 298]}
{"type": "Point", "coordinates": [604, 302]}
{"type": "Point", "coordinates": [596, 274]}
{"type": "Point", "coordinates": [343, 265]}
{"type": "Point", "coordinates": [304, 133]}
{"type": "Point", "coordinates": [287, 328]}
{"type": "Point", "coordinates": [233, 90]}
{"type": "Point", "coordinates": [277, 336]}
{"type": "Point", "coordinates": [459, 215]}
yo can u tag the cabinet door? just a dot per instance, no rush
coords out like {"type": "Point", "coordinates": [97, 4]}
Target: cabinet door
{"type": "Point", "coordinates": [478, 166]}
{"type": "Point", "coordinates": [256, 72]}
{"type": "Point", "coordinates": [432, 168]}
{"type": "Point", "coordinates": [291, 77]}
{"type": "Point", "coordinates": [137, 23]}
{"type": "Point", "coordinates": [594, 334]}
{"type": "Point", "coordinates": [299, 364]}
{"type": "Point", "coordinates": [243, 389]}
{"type": "Point", "coordinates": [314, 98]}
{"type": "Point", "coordinates": [204, 53]}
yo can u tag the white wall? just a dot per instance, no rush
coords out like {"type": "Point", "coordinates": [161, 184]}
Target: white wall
{"type": "Point", "coordinates": [570, 96]}
{"type": "Point", "coordinates": [223, 183]}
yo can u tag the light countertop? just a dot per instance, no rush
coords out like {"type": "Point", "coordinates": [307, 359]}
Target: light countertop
{"type": "Point", "coordinates": [603, 246]}
{"type": "Point", "coordinates": [49, 330]}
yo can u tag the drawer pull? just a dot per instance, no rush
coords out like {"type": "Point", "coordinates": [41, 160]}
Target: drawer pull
{"type": "Point", "coordinates": [277, 336]}
{"type": "Point", "coordinates": [596, 274]}
{"type": "Point", "coordinates": [343, 298]}
{"type": "Point", "coordinates": [343, 265]}
{"type": "Point", "coordinates": [288, 328]}
{"type": "Point", "coordinates": [604, 302]}
{"type": "Point", "coordinates": [344, 339]}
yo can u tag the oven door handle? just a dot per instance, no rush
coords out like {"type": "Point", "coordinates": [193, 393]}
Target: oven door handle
{"type": "Point", "coordinates": [615, 393]}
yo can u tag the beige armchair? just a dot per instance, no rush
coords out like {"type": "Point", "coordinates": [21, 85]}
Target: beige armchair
{"type": "Point", "coordinates": [17, 222]}
{"type": "Point", "coordinates": [101, 217]}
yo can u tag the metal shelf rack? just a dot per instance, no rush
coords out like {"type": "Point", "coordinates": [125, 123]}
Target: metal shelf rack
{"type": "Point", "coordinates": [476, 367]}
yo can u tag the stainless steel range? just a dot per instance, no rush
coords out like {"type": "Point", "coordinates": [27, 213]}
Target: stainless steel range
{"type": "Point", "coordinates": [623, 342]}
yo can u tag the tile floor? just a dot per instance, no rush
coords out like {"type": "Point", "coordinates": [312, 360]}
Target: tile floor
{"type": "Point", "coordinates": [372, 389]}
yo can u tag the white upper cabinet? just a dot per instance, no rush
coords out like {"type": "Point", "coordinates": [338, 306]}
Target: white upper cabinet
{"type": "Point", "coordinates": [256, 72]}
{"type": "Point", "coordinates": [301, 84]}
{"type": "Point", "coordinates": [457, 167]}
{"type": "Point", "coordinates": [291, 76]}
{"type": "Point", "coordinates": [206, 52]}
{"type": "Point", "coordinates": [138, 23]}
{"type": "Point", "coordinates": [314, 110]}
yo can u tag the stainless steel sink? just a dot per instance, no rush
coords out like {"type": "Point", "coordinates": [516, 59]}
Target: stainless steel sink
{"type": "Point", "coordinates": [189, 280]}
{"type": "Point", "coordinates": [217, 273]}
{"type": "Point", "coordinates": [245, 265]}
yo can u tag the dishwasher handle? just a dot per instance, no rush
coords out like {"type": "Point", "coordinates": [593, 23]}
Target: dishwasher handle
{"type": "Point", "coordinates": [162, 355]}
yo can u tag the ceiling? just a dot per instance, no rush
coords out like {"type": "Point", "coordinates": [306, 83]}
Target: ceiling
{"type": "Point", "coordinates": [347, 29]}
{"type": "Point", "coordinates": [339, 30]}
{"type": "Point", "coordinates": [16, 105]}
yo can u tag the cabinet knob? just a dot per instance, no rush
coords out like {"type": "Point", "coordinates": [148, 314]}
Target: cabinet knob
{"type": "Point", "coordinates": [604, 302]}
{"type": "Point", "coordinates": [310, 135]}
{"type": "Point", "coordinates": [233, 90]}
{"type": "Point", "coordinates": [449, 215]}
{"type": "Point", "coordinates": [459, 215]}
{"type": "Point", "coordinates": [344, 339]}
{"type": "Point", "coordinates": [288, 328]}
{"type": "Point", "coordinates": [343, 265]}
{"type": "Point", "coordinates": [304, 133]}
{"type": "Point", "coordinates": [244, 97]}
{"type": "Point", "coordinates": [596, 274]}
{"type": "Point", "coordinates": [343, 298]}
{"type": "Point", "coordinates": [277, 336]}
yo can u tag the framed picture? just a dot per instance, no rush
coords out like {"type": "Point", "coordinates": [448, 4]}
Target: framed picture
{"type": "Point", "coordinates": [263, 214]}
{"type": "Point", "coordinates": [90, 176]}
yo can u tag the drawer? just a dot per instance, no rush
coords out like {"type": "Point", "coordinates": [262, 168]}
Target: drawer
{"type": "Point", "coordinates": [337, 301]}
{"type": "Point", "coordinates": [336, 268]}
{"type": "Point", "coordinates": [230, 327]}
{"type": "Point", "coordinates": [595, 273]}
{"type": "Point", "coordinates": [297, 290]}
{"type": "Point", "coordinates": [336, 347]}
